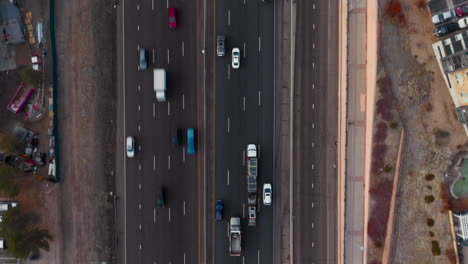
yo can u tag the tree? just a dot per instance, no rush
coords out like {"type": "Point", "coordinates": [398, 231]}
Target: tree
{"type": "Point", "coordinates": [21, 233]}
{"type": "Point", "coordinates": [7, 181]}
{"type": "Point", "coordinates": [7, 143]}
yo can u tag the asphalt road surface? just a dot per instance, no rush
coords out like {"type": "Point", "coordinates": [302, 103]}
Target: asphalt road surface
{"type": "Point", "coordinates": [315, 132]}
{"type": "Point", "coordinates": [150, 234]}
{"type": "Point", "coordinates": [244, 115]}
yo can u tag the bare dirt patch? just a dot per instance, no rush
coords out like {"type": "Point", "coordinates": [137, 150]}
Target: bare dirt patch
{"type": "Point", "coordinates": [421, 233]}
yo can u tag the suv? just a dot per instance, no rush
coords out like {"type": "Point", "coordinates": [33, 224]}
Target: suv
{"type": "Point", "coordinates": [446, 29]}
{"type": "Point", "coordinates": [220, 50]}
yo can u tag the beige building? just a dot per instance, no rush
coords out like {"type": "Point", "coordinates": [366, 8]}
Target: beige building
{"type": "Point", "coordinates": [452, 56]}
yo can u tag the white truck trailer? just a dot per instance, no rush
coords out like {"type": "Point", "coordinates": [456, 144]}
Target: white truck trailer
{"type": "Point", "coordinates": [159, 76]}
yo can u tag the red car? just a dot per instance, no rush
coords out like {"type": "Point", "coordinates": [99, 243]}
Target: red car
{"type": "Point", "coordinates": [462, 10]}
{"type": "Point", "coordinates": [172, 18]}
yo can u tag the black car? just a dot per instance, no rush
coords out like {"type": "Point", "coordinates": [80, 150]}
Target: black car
{"type": "Point", "coordinates": [161, 198]}
{"type": "Point", "coordinates": [443, 30]}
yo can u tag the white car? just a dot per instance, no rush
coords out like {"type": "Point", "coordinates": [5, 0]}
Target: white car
{"type": "Point", "coordinates": [442, 17]}
{"type": "Point", "coordinates": [235, 58]}
{"type": "Point", "coordinates": [463, 23]}
{"type": "Point", "coordinates": [130, 147]}
{"type": "Point", "coordinates": [266, 193]}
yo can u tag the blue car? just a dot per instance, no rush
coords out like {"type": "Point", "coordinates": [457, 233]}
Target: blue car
{"type": "Point", "coordinates": [191, 141]}
{"type": "Point", "coordinates": [219, 210]}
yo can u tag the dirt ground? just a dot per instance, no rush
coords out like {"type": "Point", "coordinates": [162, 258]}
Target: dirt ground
{"type": "Point", "coordinates": [425, 106]}
{"type": "Point", "coordinates": [79, 210]}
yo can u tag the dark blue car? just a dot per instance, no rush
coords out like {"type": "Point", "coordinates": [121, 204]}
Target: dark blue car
{"type": "Point", "coordinates": [219, 210]}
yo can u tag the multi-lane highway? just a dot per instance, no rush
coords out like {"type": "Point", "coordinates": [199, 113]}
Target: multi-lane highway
{"type": "Point", "coordinates": [244, 115]}
{"type": "Point", "coordinates": [150, 234]}
{"type": "Point", "coordinates": [315, 133]}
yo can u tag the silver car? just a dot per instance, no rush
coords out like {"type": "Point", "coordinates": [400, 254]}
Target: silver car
{"type": "Point", "coordinates": [130, 147]}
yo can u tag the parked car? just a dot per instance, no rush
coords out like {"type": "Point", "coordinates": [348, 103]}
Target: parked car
{"type": "Point", "coordinates": [462, 11]}
{"type": "Point", "coordinates": [220, 50]}
{"type": "Point", "coordinates": [235, 58]}
{"type": "Point", "coordinates": [191, 141]}
{"type": "Point", "coordinates": [463, 22]}
{"type": "Point", "coordinates": [445, 29]}
{"type": "Point", "coordinates": [172, 17]}
{"type": "Point", "coordinates": [267, 193]}
{"type": "Point", "coordinates": [143, 62]}
{"type": "Point", "coordinates": [130, 147]}
{"type": "Point", "coordinates": [442, 17]}
{"type": "Point", "coordinates": [219, 210]}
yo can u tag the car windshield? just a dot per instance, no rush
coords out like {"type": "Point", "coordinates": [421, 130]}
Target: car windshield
{"type": "Point", "coordinates": [235, 53]}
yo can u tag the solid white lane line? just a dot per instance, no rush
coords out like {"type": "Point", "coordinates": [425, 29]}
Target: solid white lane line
{"type": "Point", "coordinates": [167, 3]}
{"type": "Point", "coordinates": [169, 214]}
{"type": "Point", "coordinates": [229, 71]}
{"type": "Point", "coordinates": [258, 256]}
{"type": "Point", "coordinates": [183, 101]}
{"type": "Point", "coordinates": [259, 150]}
{"type": "Point", "coordinates": [153, 55]}
{"type": "Point", "coordinates": [229, 17]}
{"type": "Point", "coordinates": [243, 210]}
{"type": "Point", "coordinates": [243, 258]}
{"type": "Point", "coordinates": [227, 177]}
{"type": "Point", "coordinates": [243, 108]}
{"type": "Point", "coordinates": [184, 257]}
{"type": "Point", "coordinates": [183, 53]}
{"type": "Point", "coordinates": [183, 153]}
{"type": "Point", "coordinates": [152, 4]}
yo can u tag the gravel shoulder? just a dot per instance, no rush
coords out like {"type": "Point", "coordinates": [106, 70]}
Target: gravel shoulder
{"type": "Point", "coordinates": [83, 209]}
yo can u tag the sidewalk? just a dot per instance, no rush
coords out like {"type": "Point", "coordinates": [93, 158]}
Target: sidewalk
{"type": "Point", "coordinates": [360, 96]}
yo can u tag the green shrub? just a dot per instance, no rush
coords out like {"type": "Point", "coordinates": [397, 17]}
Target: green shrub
{"type": "Point", "coordinates": [429, 198]}
{"type": "Point", "coordinates": [435, 248]}
{"type": "Point", "coordinates": [430, 222]}
{"type": "Point", "coordinates": [442, 134]}
{"type": "Point", "coordinates": [430, 177]}
{"type": "Point", "coordinates": [387, 168]}
{"type": "Point", "coordinates": [393, 125]}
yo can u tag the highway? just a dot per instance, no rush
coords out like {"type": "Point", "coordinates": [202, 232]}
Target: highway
{"type": "Point", "coordinates": [150, 234]}
{"type": "Point", "coordinates": [315, 133]}
{"type": "Point", "coordinates": [244, 115]}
